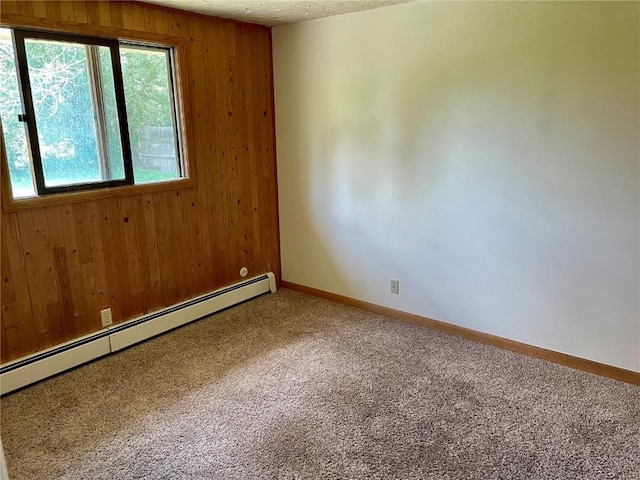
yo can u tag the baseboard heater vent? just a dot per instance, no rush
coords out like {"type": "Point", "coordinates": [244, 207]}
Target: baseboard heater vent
{"type": "Point", "coordinates": [36, 367]}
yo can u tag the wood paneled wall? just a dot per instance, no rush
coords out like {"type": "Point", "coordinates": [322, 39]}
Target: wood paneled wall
{"type": "Point", "coordinates": [62, 264]}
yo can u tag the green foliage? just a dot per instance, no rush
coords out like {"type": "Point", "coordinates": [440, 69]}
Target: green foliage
{"type": "Point", "coordinates": [146, 88]}
{"type": "Point", "coordinates": [10, 107]}
{"type": "Point", "coordinates": [65, 114]}
{"type": "Point", "coordinates": [150, 176]}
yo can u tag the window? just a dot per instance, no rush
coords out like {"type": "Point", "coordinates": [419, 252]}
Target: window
{"type": "Point", "coordinates": [80, 113]}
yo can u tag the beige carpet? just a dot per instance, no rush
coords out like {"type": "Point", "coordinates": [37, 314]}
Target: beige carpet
{"type": "Point", "coordinates": [290, 386]}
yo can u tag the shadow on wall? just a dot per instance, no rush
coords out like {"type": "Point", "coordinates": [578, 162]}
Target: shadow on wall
{"type": "Point", "coordinates": [478, 154]}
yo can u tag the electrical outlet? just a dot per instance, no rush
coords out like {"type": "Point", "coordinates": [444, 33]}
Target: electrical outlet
{"type": "Point", "coordinates": [395, 286]}
{"type": "Point", "coordinates": [105, 315]}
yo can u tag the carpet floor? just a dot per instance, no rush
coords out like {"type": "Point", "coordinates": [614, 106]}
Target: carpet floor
{"type": "Point", "coordinates": [292, 386]}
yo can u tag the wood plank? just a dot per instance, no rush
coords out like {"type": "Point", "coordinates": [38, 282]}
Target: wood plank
{"type": "Point", "coordinates": [39, 8]}
{"type": "Point", "coordinates": [142, 254]}
{"type": "Point", "coordinates": [19, 317]}
{"type": "Point", "coordinates": [200, 217]}
{"type": "Point", "coordinates": [7, 292]}
{"type": "Point", "coordinates": [82, 233]}
{"type": "Point", "coordinates": [92, 320]}
{"type": "Point", "coordinates": [127, 305]}
{"type": "Point", "coordinates": [174, 254]}
{"type": "Point", "coordinates": [80, 12]}
{"type": "Point", "coordinates": [9, 7]}
{"type": "Point", "coordinates": [154, 289]}
{"type": "Point", "coordinates": [117, 279]}
{"type": "Point", "coordinates": [49, 289]}
{"type": "Point", "coordinates": [92, 10]}
{"type": "Point", "coordinates": [235, 138]}
{"type": "Point", "coordinates": [6, 332]}
{"type": "Point", "coordinates": [97, 254]}
{"type": "Point", "coordinates": [67, 322]}
{"type": "Point", "coordinates": [117, 21]}
{"type": "Point", "coordinates": [161, 20]}
{"type": "Point", "coordinates": [128, 16]}
{"type": "Point", "coordinates": [199, 236]}
{"type": "Point", "coordinates": [149, 24]}
{"type": "Point", "coordinates": [54, 11]}
{"type": "Point", "coordinates": [25, 9]}
{"type": "Point", "coordinates": [66, 257]}
{"type": "Point", "coordinates": [67, 12]}
{"type": "Point", "coordinates": [139, 17]}
{"type": "Point", "coordinates": [218, 106]}
{"type": "Point", "coordinates": [78, 294]}
{"type": "Point", "coordinates": [104, 13]}
{"type": "Point", "coordinates": [252, 106]}
{"type": "Point", "coordinates": [39, 267]}
{"type": "Point", "coordinates": [186, 245]}
{"type": "Point", "coordinates": [163, 244]}
{"type": "Point", "coordinates": [56, 234]}
{"type": "Point", "coordinates": [173, 23]}
{"type": "Point", "coordinates": [13, 335]}
{"type": "Point", "coordinates": [130, 247]}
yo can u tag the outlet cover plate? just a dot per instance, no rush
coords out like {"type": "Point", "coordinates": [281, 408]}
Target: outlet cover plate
{"type": "Point", "coordinates": [105, 315]}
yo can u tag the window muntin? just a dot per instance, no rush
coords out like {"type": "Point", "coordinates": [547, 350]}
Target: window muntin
{"type": "Point", "coordinates": [80, 138]}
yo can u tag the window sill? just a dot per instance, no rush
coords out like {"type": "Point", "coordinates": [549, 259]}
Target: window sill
{"type": "Point", "coordinates": [11, 205]}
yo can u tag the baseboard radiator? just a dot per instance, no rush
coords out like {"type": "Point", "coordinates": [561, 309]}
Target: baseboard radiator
{"type": "Point", "coordinates": [36, 367]}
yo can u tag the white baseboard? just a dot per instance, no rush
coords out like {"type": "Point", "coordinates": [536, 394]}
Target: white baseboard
{"type": "Point", "coordinates": [36, 367]}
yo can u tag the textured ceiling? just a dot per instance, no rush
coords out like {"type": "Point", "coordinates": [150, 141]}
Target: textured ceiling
{"type": "Point", "coordinates": [274, 12]}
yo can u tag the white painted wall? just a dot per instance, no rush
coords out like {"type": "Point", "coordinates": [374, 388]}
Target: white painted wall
{"type": "Point", "coordinates": [484, 154]}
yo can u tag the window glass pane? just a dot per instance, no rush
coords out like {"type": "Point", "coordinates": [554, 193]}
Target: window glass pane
{"type": "Point", "coordinates": [69, 107]}
{"type": "Point", "coordinates": [150, 114]}
{"type": "Point", "coordinates": [15, 138]}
